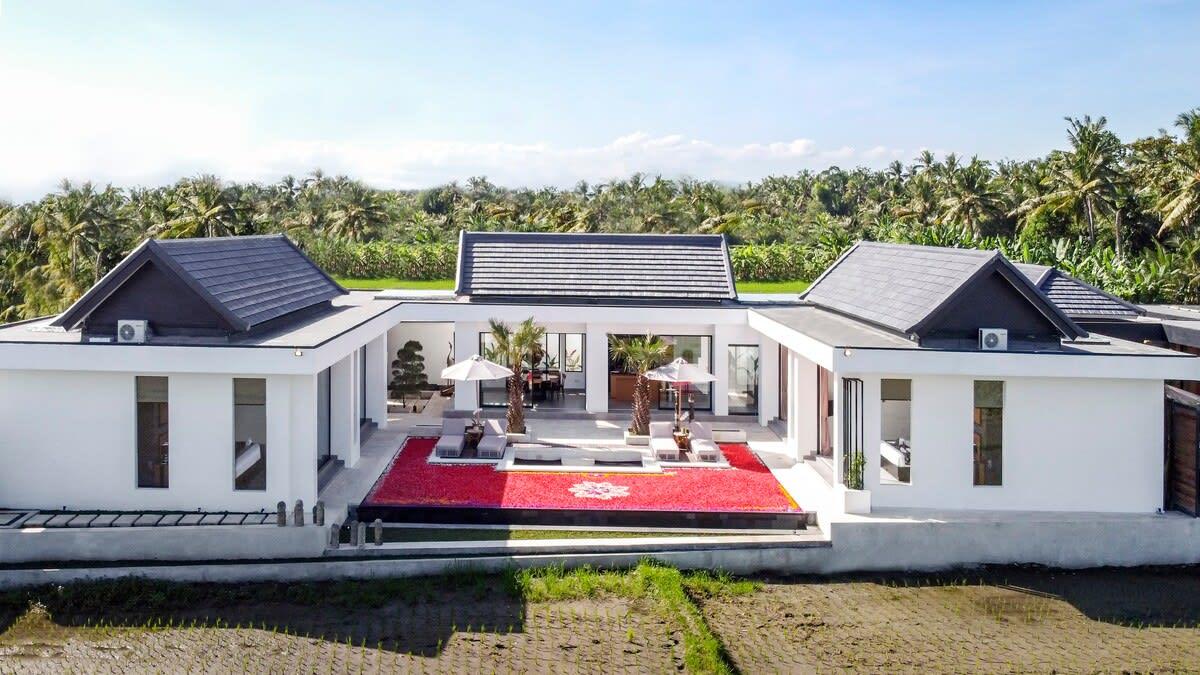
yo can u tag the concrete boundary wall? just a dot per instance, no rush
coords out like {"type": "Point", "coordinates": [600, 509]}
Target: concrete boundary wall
{"type": "Point", "coordinates": [207, 542]}
{"type": "Point", "coordinates": [856, 547]}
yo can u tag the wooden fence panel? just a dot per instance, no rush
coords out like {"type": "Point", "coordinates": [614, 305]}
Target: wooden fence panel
{"type": "Point", "coordinates": [1182, 444]}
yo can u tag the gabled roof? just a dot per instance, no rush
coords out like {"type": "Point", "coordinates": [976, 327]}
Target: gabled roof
{"type": "Point", "coordinates": [631, 268]}
{"type": "Point", "coordinates": [1078, 299]}
{"type": "Point", "coordinates": [247, 281]}
{"type": "Point", "coordinates": [906, 288]}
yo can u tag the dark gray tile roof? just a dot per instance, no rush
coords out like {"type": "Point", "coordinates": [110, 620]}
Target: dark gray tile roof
{"type": "Point", "coordinates": [893, 285]}
{"type": "Point", "coordinates": [1078, 299]}
{"type": "Point", "coordinates": [902, 287]}
{"type": "Point", "coordinates": [246, 280]}
{"type": "Point", "coordinates": [255, 279]}
{"type": "Point", "coordinates": [611, 267]}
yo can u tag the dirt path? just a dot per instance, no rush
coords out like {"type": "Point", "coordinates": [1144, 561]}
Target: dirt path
{"type": "Point", "coordinates": [556, 637]}
{"type": "Point", "coordinates": [1021, 622]}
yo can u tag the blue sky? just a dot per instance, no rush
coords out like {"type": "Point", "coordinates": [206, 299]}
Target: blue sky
{"type": "Point", "coordinates": [409, 95]}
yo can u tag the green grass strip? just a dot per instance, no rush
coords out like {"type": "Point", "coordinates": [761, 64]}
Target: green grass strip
{"type": "Point", "coordinates": [673, 591]}
{"type": "Point", "coordinates": [448, 285]}
{"type": "Point", "coordinates": [772, 286]}
{"type": "Point", "coordinates": [389, 282]}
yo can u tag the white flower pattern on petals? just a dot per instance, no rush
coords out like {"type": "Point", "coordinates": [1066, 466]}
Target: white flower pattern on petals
{"type": "Point", "coordinates": [593, 490]}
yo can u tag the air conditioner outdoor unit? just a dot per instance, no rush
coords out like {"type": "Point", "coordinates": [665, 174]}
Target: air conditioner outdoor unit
{"type": "Point", "coordinates": [131, 332]}
{"type": "Point", "coordinates": [993, 339]}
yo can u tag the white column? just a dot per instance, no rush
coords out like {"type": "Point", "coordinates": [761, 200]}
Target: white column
{"type": "Point", "coordinates": [839, 442]}
{"type": "Point", "coordinates": [343, 409]}
{"type": "Point", "coordinates": [378, 372]}
{"type": "Point", "coordinates": [720, 361]}
{"type": "Point", "coordinates": [792, 441]}
{"type": "Point", "coordinates": [805, 404]}
{"type": "Point", "coordinates": [768, 380]}
{"type": "Point", "coordinates": [303, 439]}
{"type": "Point", "coordinates": [595, 354]}
{"type": "Point", "coordinates": [872, 431]}
{"type": "Point", "coordinates": [282, 449]}
{"type": "Point", "coordinates": [466, 345]}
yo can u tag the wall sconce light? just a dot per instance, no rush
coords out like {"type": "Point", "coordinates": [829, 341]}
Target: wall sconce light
{"type": "Point", "coordinates": [847, 351]}
{"type": "Point", "coordinates": [298, 352]}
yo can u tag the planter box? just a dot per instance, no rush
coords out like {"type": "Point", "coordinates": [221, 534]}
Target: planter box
{"type": "Point", "coordinates": [728, 435]}
{"type": "Point", "coordinates": [635, 439]}
{"type": "Point", "coordinates": [854, 501]}
{"type": "Point", "coordinates": [521, 438]}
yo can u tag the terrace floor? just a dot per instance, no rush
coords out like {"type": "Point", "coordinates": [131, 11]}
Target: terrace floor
{"type": "Point", "coordinates": [393, 471]}
{"type": "Point", "coordinates": [746, 486]}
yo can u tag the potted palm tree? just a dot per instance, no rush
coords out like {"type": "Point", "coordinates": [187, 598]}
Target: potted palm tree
{"type": "Point", "coordinates": [638, 355]}
{"type": "Point", "coordinates": [514, 346]}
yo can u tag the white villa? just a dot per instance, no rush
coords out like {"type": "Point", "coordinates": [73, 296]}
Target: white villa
{"type": "Point", "coordinates": [232, 373]}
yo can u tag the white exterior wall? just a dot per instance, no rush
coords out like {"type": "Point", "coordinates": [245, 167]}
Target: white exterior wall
{"type": "Point", "coordinates": [68, 439]}
{"type": "Point", "coordinates": [344, 392]}
{"type": "Point", "coordinates": [1070, 444]}
{"type": "Point", "coordinates": [802, 403]}
{"type": "Point", "coordinates": [436, 344]}
{"type": "Point", "coordinates": [378, 373]}
{"type": "Point", "coordinates": [731, 330]}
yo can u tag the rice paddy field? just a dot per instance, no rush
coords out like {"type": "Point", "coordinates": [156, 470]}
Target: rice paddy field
{"type": "Point", "coordinates": [652, 619]}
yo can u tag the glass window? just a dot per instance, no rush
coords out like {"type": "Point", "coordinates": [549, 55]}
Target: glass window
{"type": "Point", "coordinates": [573, 352]}
{"type": "Point", "coordinates": [249, 434]}
{"type": "Point", "coordinates": [743, 379]}
{"type": "Point", "coordinates": [695, 349]}
{"type": "Point", "coordinates": [153, 433]}
{"type": "Point", "coordinates": [551, 356]}
{"type": "Point", "coordinates": [492, 393]}
{"type": "Point", "coordinates": [895, 452]}
{"type": "Point", "coordinates": [989, 428]}
{"type": "Point", "coordinates": [324, 451]}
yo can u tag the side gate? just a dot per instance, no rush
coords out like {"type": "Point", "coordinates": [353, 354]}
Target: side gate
{"type": "Point", "coordinates": [1182, 460]}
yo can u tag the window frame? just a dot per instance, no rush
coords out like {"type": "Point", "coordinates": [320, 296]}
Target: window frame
{"type": "Point", "coordinates": [233, 434]}
{"type": "Point", "coordinates": [976, 448]}
{"type": "Point", "coordinates": [137, 450]}
{"type": "Point", "coordinates": [730, 348]}
{"type": "Point", "coordinates": [883, 399]}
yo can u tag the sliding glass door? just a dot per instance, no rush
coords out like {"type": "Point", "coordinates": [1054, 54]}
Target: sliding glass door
{"type": "Point", "coordinates": [743, 379]}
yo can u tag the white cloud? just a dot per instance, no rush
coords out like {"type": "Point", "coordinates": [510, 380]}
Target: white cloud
{"type": "Point", "coordinates": [56, 128]}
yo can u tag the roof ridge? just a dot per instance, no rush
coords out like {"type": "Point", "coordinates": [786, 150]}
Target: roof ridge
{"type": "Point", "coordinates": [230, 237]}
{"type": "Point", "coordinates": [928, 247]}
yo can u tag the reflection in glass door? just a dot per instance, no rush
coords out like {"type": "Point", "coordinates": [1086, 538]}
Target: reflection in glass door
{"type": "Point", "coordinates": [695, 349]}
{"type": "Point", "coordinates": [743, 379]}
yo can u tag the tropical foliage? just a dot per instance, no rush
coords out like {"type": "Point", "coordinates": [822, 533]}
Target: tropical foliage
{"type": "Point", "coordinates": [639, 354]}
{"type": "Point", "coordinates": [514, 346]}
{"type": "Point", "coordinates": [1121, 215]}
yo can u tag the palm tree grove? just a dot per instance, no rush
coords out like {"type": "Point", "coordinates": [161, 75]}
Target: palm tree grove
{"type": "Point", "coordinates": [1123, 215]}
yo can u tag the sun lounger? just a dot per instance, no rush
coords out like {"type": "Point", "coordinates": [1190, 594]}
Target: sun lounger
{"type": "Point", "coordinates": [703, 444]}
{"type": "Point", "coordinates": [494, 441]}
{"type": "Point", "coordinates": [662, 442]}
{"type": "Point", "coordinates": [454, 437]}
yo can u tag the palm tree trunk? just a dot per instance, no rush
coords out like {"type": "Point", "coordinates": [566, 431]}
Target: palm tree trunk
{"type": "Point", "coordinates": [641, 407]}
{"type": "Point", "coordinates": [516, 403]}
{"type": "Point", "coordinates": [1117, 232]}
{"type": "Point", "coordinates": [1087, 211]}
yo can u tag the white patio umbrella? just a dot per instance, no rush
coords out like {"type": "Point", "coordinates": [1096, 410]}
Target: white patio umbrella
{"type": "Point", "coordinates": [680, 372]}
{"type": "Point", "coordinates": [474, 369]}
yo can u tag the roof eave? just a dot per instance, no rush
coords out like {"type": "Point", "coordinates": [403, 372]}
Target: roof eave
{"type": "Point", "coordinates": [458, 270]}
